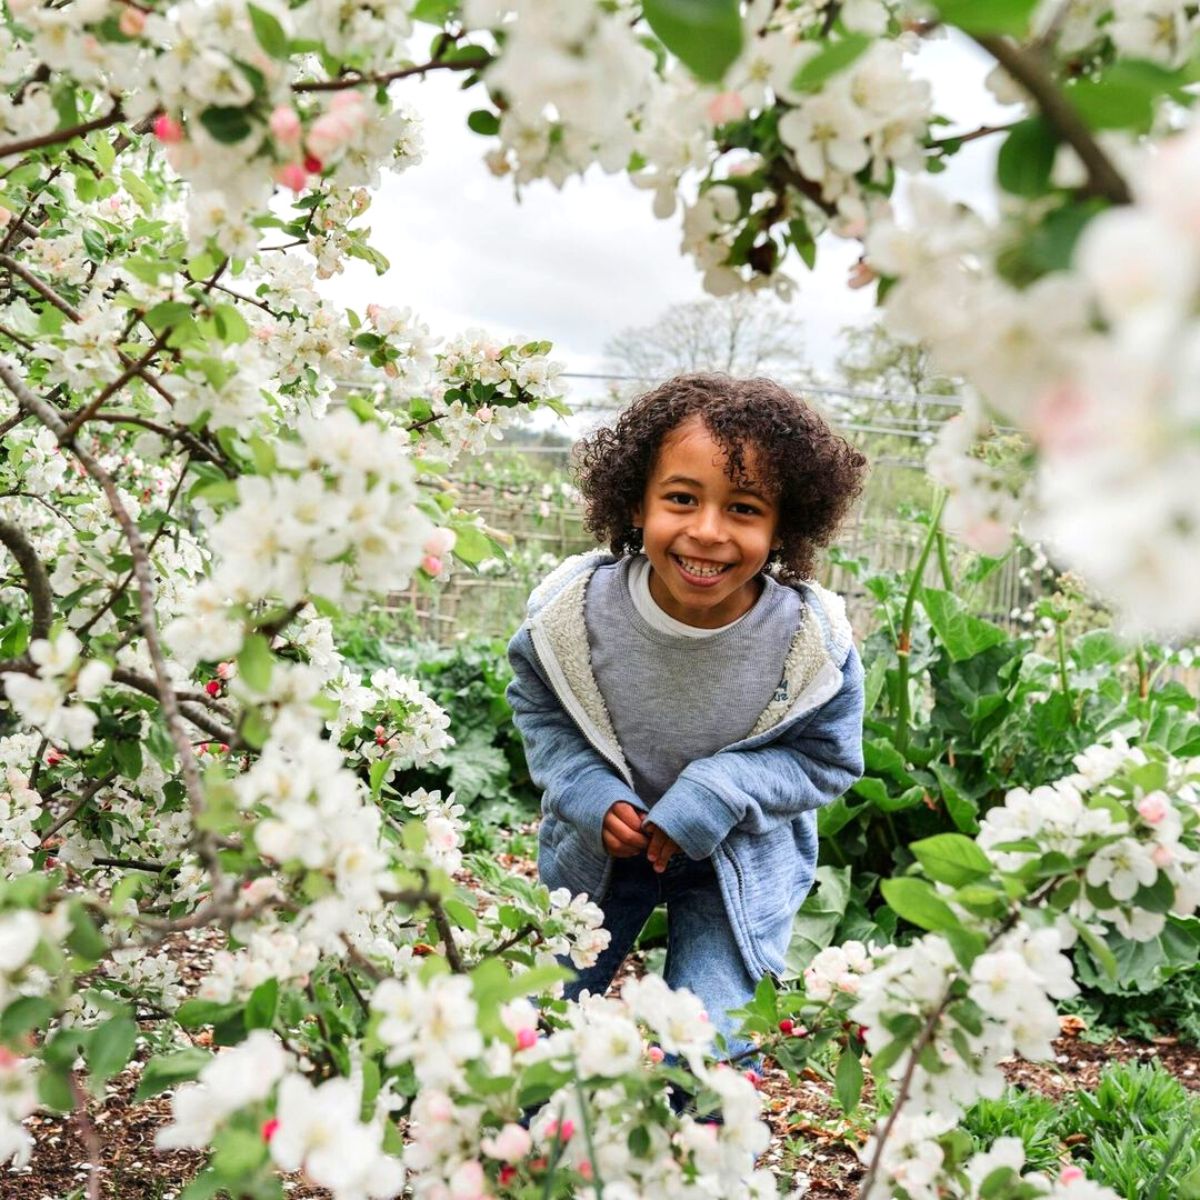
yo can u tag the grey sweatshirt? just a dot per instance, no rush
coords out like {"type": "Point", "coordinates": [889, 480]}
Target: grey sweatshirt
{"type": "Point", "coordinates": [675, 699]}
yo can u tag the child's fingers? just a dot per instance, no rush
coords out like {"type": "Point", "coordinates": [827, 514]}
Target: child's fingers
{"type": "Point", "coordinates": [619, 839]}
{"type": "Point", "coordinates": [627, 815]}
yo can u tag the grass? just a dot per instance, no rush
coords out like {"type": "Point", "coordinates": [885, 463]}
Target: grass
{"type": "Point", "coordinates": [1137, 1133]}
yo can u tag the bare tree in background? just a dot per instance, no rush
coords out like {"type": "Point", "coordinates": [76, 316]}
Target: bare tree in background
{"type": "Point", "coordinates": [742, 336]}
{"type": "Point", "coordinates": [874, 357]}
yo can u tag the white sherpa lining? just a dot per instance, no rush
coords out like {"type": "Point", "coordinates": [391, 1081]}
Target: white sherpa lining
{"type": "Point", "coordinates": [558, 626]}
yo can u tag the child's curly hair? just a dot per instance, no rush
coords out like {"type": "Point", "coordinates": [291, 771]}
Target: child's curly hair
{"type": "Point", "coordinates": [812, 473]}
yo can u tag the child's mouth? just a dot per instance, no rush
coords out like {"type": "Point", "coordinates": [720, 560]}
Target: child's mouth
{"type": "Point", "coordinates": [700, 571]}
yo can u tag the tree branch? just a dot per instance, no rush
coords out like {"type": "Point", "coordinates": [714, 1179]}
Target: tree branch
{"type": "Point", "coordinates": [81, 802]}
{"type": "Point", "coordinates": [189, 768]}
{"type": "Point", "coordinates": [37, 582]}
{"type": "Point", "coordinates": [384, 78]}
{"type": "Point", "coordinates": [1030, 72]}
{"type": "Point", "coordinates": [113, 117]}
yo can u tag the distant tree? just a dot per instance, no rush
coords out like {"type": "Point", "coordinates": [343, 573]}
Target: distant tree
{"type": "Point", "coordinates": [745, 334]}
{"type": "Point", "coordinates": [874, 357]}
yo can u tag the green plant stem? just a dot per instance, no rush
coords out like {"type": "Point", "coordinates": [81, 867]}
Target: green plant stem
{"type": "Point", "coordinates": [1060, 638]}
{"type": "Point", "coordinates": [944, 560]}
{"type": "Point", "coordinates": [597, 1183]}
{"type": "Point", "coordinates": [1143, 672]}
{"type": "Point", "coordinates": [903, 642]}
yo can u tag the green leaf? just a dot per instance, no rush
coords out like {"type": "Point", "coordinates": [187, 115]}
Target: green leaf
{"type": "Point", "coordinates": [238, 1153]}
{"type": "Point", "coordinates": [270, 34]}
{"type": "Point", "coordinates": [483, 121]}
{"type": "Point", "coordinates": [110, 1048]}
{"type": "Point", "coordinates": [848, 1081]}
{"type": "Point", "coordinates": [168, 313]}
{"type": "Point", "coordinates": [261, 1005]}
{"type": "Point", "coordinates": [1125, 96]}
{"type": "Point", "coordinates": [231, 325]}
{"type": "Point", "coordinates": [472, 545]}
{"type": "Point", "coordinates": [835, 57]}
{"type": "Point", "coordinates": [1027, 157]}
{"type": "Point", "coordinates": [195, 1013]}
{"type": "Point", "coordinates": [84, 938]}
{"type": "Point", "coordinates": [991, 17]}
{"type": "Point", "coordinates": [916, 901]}
{"type": "Point", "coordinates": [1099, 948]}
{"type": "Point", "coordinates": [23, 1014]}
{"type": "Point", "coordinates": [705, 35]}
{"type": "Point", "coordinates": [818, 918]}
{"type": "Point", "coordinates": [962, 634]}
{"type": "Point", "coordinates": [54, 1088]}
{"type": "Point", "coordinates": [255, 662]}
{"type": "Point", "coordinates": [952, 858]}
{"type": "Point", "coordinates": [166, 1070]}
{"type": "Point", "coordinates": [226, 125]}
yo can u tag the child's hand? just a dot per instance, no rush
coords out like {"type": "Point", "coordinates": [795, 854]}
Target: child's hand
{"type": "Point", "coordinates": [622, 832]}
{"type": "Point", "coordinates": [660, 849]}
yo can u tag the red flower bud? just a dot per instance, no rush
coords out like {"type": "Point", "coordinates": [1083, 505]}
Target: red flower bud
{"type": "Point", "coordinates": [786, 1026]}
{"type": "Point", "coordinates": [313, 165]}
{"type": "Point", "coordinates": [213, 687]}
{"type": "Point", "coordinates": [270, 1128]}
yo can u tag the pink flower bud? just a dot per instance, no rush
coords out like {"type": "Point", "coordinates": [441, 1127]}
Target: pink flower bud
{"type": "Point", "coordinates": [213, 687]}
{"type": "Point", "coordinates": [292, 175]}
{"type": "Point", "coordinates": [168, 130]}
{"type": "Point", "coordinates": [725, 107]}
{"type": "Point", "coordinates": [1070, 1175]}
{"type": "Point", "coordinates": [131, 22]}
{"type": "Point", "coordinates": [284, 124]}
{"type": "Point", "coordinates": [1153, 808]}
{"type": "Point", "coordinates": [226, 670]}
{"type": "Point", "coordinates": [270, 1128]}
{"type": "Point", "coordinates": [1162, 856]}
{"type": "Point", "coordinates": [432, 564]}
{"type": "Point", "coordinates": [526, 1038]}
{"type": "Point", "coordinates": [585, 1169]}
{"type": "Point", "coordinates": [754, 1077]}
{"type": "Point", "coordinates": [861, 274]}
{"type": "Point", "coordinates": [313, 165]}
{"type": "Point", "coordinates": [468, 1182]}
{"type": "Point", "coordinates": [566, 1130]}
{"type": "Point", "coordinates": [655, 1054]}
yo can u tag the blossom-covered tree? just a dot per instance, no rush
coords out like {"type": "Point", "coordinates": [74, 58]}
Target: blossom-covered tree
{"type": "Point", "coordinates": [206, 462]}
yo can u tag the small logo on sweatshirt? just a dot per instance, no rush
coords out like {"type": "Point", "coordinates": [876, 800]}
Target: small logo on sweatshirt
{"type": "Point", "coordinates": [781, 692]}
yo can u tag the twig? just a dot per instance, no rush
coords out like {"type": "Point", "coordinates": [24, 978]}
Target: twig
{"type": "Point", "coordinates": [113, 117]}
{"type": "Point", "coordinates": [41, 598]}
{"type": "Point", "coordinates": [1029, 71]}
{"type": "Point", "coordinates": [87, 1135]}
{"type": "Point", "coordinates": [189, 769]}
{"type": "Point", "coordinates": [384, 78]}
{"type": "Point", "coordinates": [80, 803]}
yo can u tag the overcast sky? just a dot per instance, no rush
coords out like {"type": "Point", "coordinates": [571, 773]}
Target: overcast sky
{"type": "Point", "coordinates": [578, 265]}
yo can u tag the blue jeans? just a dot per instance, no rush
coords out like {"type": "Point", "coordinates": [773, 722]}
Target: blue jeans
{"type": "Point", "coordinates": [702, 953]}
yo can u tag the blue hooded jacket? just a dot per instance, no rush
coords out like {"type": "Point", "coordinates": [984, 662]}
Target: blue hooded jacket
{"type": "Point", "coordinates": [751, 807]}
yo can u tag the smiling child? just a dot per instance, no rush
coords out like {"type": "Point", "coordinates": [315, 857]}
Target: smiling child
{"type": "Point", "coordinates": [689, 700]}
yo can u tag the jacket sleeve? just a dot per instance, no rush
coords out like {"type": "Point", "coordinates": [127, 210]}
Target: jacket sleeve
{"type": "Point", "coordinates": [756, 790]}
{"type": "Point", "coordinates": [579, 784]}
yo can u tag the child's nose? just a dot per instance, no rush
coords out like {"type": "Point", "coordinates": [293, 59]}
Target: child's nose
{"type": "Point", "coordinates": [707, 525]}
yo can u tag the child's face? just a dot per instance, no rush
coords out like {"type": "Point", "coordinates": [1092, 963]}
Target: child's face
{"type": "Point", "coordinates": [706, 536]}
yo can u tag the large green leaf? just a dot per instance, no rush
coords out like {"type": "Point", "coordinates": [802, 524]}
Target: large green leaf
{"type": "Point", "coordinates": [916, 902]}
{"type": "Point", "coordinates": [1027, 157]}
{"type": "Point", "coordinates": [962, 634]}
{"type": "Point", "coordinates": [818, 918]}
{"type": "Point", "coordinates": [951, 858]}
{"type": "Point", "coordinates": [706, 35]}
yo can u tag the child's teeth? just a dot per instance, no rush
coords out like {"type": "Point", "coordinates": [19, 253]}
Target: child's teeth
{"type": "Point", "coordinates": [697, 569]}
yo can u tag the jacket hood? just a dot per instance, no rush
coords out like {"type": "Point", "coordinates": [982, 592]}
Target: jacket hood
{"type": "Point", "coordinates": [558, 628]}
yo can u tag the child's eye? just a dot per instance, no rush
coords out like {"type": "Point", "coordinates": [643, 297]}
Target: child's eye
{"type": "Point", "coordinates": [747, 509]}
{"type": "Point", "coordinates": [678, 497]}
